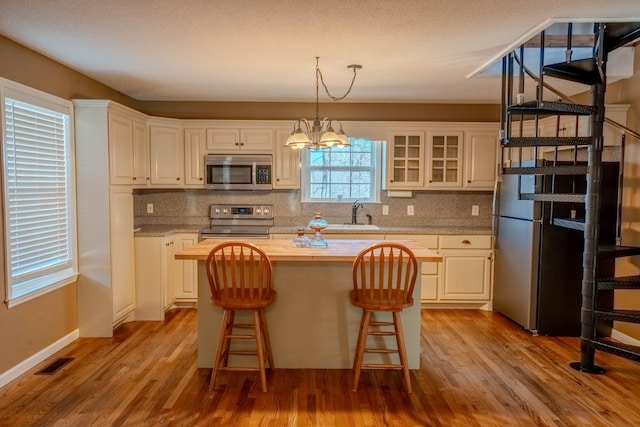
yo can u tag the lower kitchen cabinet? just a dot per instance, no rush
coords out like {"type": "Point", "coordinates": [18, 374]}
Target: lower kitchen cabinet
{"type": "Point", "coordinates": [185, 271]}
{"type": "Point", "coordinates": [466, 273]}
{"type": "Point", "coordinates": [155, 291]}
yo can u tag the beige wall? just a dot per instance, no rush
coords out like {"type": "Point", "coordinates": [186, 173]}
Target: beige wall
{"type": "Point", "coordinates": [628, 92]}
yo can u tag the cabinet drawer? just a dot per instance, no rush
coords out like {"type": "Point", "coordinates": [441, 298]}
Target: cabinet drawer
{"type": "Point", "coordinates": [431, 241]}
{"type": "Point", "coordinates": [430, 268]}
{"type": "Point", "coordinates": [465, 242]}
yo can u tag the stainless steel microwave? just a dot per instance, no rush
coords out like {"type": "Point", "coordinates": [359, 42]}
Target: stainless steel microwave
{"type": "Point", "coordinates": [238, 171]}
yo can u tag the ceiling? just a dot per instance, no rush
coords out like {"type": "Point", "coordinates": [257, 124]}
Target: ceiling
{"type": "Point", "coordinates": [418, 51]}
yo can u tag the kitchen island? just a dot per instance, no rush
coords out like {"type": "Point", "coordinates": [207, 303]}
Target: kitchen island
{"type": "Point", "coordinates": [312, 323]}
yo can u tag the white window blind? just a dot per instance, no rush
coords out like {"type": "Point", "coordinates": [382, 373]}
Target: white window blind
{"type": "Point", "coordinates": [39, 210]}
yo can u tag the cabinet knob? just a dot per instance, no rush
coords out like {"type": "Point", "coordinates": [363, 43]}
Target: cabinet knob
{"type": "Point", "coordinates": [134, 178]}
{"type": "Point", "coordinates": [201, 179]}
{"type": "Point", "coordinates": [466, 242]}
{"type": "Point", "coordinates": [148, 178]}
{"type": "Point", "coordinates": [237, 143]}
{"type": "Point", "coordinates": [469, 181]}
{"type": "Point", "coordinates": [178, 179]}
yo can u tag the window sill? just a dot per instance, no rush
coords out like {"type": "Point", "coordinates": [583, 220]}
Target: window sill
{"type": "Point", "coordinates": [35, 294]}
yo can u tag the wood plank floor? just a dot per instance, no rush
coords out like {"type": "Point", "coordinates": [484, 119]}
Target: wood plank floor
{"type": "Point", "coordinates": [477, 369]}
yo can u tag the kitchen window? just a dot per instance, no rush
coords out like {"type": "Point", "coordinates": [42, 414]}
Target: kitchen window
{"type": "Point", "coordinates": [343, 174]}
{"type": "Point", "coordinates": [38, 192]}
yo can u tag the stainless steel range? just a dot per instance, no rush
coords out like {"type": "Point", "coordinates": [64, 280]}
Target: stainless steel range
{"type": "Point", "coordinates": [239, 221]}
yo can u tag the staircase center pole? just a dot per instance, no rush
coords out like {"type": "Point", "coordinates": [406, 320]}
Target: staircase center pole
{"type": "Point", "coordinates": [592, 215]}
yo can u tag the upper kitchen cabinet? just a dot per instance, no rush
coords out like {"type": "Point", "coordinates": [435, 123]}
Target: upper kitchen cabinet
{"type": "Point", "coordinates": [128, 147]}
{"type": "Point", "coordinates": [286, 162]}
{"type": "Point", "coordinates": [166, 153]}
{"type": "Point", "coordinates": [194, 149]}
{"type": "Point", "coordinates": [141, 175]}
{"type": "Point", "coordinates": [444, 159]}
{"type": "Point", "coordinates": [481, 159]}
{"type": "Point", "coordinates": [405, 160]}
{"type": "Point", "coordinates": [226, 139]}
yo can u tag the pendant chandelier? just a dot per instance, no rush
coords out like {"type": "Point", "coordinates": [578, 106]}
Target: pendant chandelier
{"type": "Point", "coordinates": [320, 134]}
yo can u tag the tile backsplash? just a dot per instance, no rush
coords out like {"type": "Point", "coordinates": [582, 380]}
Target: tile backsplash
{"type": "Point", "coordinates": [431, 208]}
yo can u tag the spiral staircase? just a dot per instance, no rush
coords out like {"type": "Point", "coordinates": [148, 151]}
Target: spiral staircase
{"type": "Point", "coordinates": [597, 312]}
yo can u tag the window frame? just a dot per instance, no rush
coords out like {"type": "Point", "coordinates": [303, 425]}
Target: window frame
{"type": "Point", "coordinates": [33, 285]}
{"type": "Point", "coordinates": [375, 168]}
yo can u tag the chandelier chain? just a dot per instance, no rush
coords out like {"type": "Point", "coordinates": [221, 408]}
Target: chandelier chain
{"type": "Point", "coordinates": [326, 89]}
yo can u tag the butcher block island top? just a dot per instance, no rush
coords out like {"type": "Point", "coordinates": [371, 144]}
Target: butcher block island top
{"type": "Point", "coordinates": [283, 250]}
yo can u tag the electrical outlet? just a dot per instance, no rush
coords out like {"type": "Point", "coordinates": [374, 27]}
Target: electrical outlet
{"type": "Point", "coordinates": [409, 209]}
{"type": "Point", "coordinates": [475, 210]}
{"type": "Point", "coordinates": [149, 207]}
{"type": "Point", "coordinates": [385, 209]}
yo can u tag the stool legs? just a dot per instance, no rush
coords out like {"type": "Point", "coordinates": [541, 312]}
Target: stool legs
{"type": "Point", "coordinates": [365, 323]}
{"type": "Point", "coordinates": [263, 345]}
{"type": "Point", "coordinates": [223, 345]}
{"type": "Point", "coordinates": [362, 341]}
{"type": "Point", "coordinates": [397, 323]}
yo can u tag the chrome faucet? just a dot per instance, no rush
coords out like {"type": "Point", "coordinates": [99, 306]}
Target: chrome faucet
{"type": "Point", "coordinates": [354, 211]}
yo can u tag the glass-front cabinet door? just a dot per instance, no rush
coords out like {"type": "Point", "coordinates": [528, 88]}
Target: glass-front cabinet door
{"type": "Point", "coordinates": [405, 167]}
{"type": "Point", "coordinates": [444, 159]}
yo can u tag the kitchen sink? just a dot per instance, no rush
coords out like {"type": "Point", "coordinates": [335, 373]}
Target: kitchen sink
{"type": "Point", "coordinates": [352, 227]}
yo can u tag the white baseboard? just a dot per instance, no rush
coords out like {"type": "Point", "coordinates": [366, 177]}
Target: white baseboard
{"type": "Point", "coordinates": [624, 338]}
{"type": "Point", "coordinates": [22, 367]}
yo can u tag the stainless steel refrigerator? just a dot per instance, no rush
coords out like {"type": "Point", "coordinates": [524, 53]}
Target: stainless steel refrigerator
{"type": "Point", "coordinates": [538, 266]}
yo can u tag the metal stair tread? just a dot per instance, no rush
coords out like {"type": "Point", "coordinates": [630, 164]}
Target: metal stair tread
{"type": "Point", "coordinates": [614, 347]}
{"type": "Point", "coordinates": [553, 197]}
{"type": "Point", "coordinates": [551, 108]}
{"type": "Point", "coordinates": [546, 141]}
{"type": "Point", "coordinates": [625, 282]}
{"type": "Point", "coordinates": [617, 34]}
{"type": "Point", "coordinates": [572, 223]}
{"type": "Point", "coordinates": [546, 170]}
{"type": "Point", "coordinates": [617, 251]}
{"type": "Point", "coordinates": [584, 71]}
{"type": "Point", "coordinates": [629, 316]}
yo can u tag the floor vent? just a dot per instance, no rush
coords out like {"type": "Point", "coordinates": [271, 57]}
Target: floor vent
{"type": "Point", "coordinates": [54, 366]}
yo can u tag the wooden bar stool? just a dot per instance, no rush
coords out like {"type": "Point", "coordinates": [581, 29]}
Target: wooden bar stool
{"type": "Point", "coordinates": [384, 276]}
{"type": "Point", "coordinates": [240, 279]}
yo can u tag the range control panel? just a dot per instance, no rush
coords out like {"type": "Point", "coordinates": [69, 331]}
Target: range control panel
{"type": "Point", "coordinates": [241, 211]}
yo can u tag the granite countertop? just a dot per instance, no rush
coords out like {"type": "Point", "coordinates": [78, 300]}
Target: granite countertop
{"type": "Point", "coordinates": [156, 230]}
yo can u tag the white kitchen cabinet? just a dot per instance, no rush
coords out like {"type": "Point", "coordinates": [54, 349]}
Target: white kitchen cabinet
{"type": "Point", "coordinates": [106, 283]}
{"type": "Point", "coordinates": [466, 268]}
{"type": "Point", "coordinates": [141, 176]}
{"type": "Point", "coordinates": [444, 156]}
{"type": "Point", "coordinates": [286, 163]}
{"type": "Point", "coordinates": [481, 159]}
{"type": "Point", "coordinates": [230, 139]}
{"type": "Point", "coordinates": [405, 160]}
{"type": "Point", "coordinates": [122, 253]}
{"type": "Point", "coordinates": [167, 154]}
{"type": "Point", "coordinates": [154, 263]}
{"type": "Point", "coordinates": [120, 148]}
{"type": "Point", "coordinates": [185, 271]}
{"type": "Point", "coordinates": [128, 148]}
{"type": "Point", "coordinates": [194, 149]}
